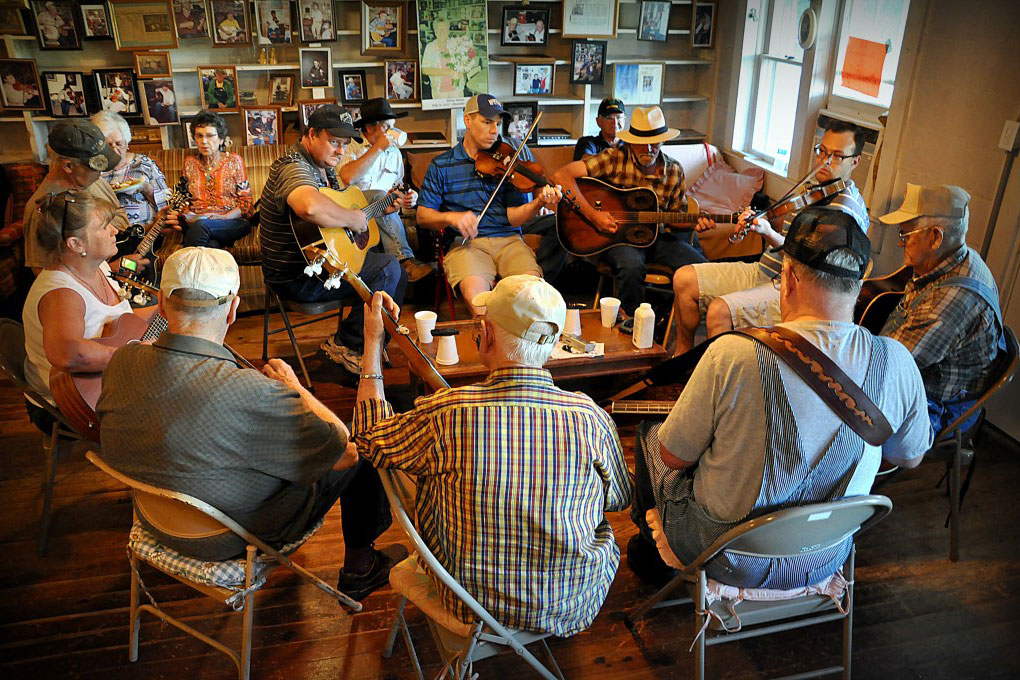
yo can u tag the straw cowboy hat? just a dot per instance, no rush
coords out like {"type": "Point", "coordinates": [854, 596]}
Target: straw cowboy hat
{"type": "Point", "coordinates": [648, 126]}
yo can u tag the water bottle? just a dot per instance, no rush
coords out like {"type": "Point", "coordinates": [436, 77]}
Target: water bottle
{"type": "Point", "coordinates": [644, 326]}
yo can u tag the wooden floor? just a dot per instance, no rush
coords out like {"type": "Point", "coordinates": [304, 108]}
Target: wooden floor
{"type": "Point", "coordinates": [65, 615]}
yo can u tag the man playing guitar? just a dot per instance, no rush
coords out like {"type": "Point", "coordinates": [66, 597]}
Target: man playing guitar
{"type": "Point", "coordinates": [293, 186]}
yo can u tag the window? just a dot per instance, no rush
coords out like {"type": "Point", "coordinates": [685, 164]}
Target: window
{"type": "Point", "coordinates": [867, 76]}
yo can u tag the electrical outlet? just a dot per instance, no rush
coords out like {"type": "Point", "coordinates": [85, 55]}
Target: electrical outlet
{"type": "Point", "coordinates": [1010, 133]}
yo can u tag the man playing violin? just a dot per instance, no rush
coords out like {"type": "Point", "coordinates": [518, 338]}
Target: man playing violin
{"type": "Point", "coordinates": [639, 162]}
{"type": "Point", "coordinates": [453, 194]}
{"type": "Point", "coordinates": [736, 294]}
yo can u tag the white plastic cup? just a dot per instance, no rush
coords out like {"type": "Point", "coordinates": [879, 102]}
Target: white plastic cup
{"type": "Point", "coordinates": [573, 324]}
{"type": "Point", "coordinates": [610, 307]}
{"type": "Point", "coordinates": [447, 355]}
{"type": "Point", "coordinates": [425, 321]}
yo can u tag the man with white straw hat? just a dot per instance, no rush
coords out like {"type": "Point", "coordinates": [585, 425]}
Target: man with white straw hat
{"type": "Point", "coordinates": [949, 318]}
{"type": "Point", "coordinates": [638, 163]}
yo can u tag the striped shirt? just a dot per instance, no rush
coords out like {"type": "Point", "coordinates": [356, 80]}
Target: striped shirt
{"type": "Point", "coordinates": [849, 201]}
{"type": "Point", "coordinates": [618, 167]}
{"type": "Point", "coordinates": [282, 261]}
{"type": "Point", "coordinates": [514, 478]}
{"type": "Point", "coordinates": [452, 185]}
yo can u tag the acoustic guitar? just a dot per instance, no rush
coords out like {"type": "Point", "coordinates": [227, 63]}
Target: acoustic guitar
{"type": "Point", "coordinates": [879, 297]}
{"type": "Point", "coordinates": [636, 211]}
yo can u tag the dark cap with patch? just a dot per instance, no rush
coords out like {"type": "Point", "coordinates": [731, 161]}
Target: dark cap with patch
{"type": "Point", "coordinates": [816, 232]}
{"type": "Point", "coordinates": [610, 106]}
{"type": "Point", "coordinates": [84, 142]}
{"type": "Point", "coordinates": [335, 120]}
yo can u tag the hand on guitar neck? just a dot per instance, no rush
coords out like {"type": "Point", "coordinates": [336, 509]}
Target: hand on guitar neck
{"type": "Point", "coordinates": [758, 225]}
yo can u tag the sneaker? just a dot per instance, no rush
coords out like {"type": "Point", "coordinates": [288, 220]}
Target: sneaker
{"type": "Point", "coordinates": [358, 586]}
{"type": "Point", "coordinates": [627, 326]}
{"type": "Point", "coordinates": [644, 560]}
{"type": "Point", "coordinates": [346, 357]}
{"type": "Point", "coordinates": [416, 269]}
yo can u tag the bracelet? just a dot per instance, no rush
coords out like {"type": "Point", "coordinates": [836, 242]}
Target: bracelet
{"type": "Point", "coordinates": [370, 376]}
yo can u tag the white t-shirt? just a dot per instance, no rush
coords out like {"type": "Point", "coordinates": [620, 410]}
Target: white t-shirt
{"type": "Point", "coordinates": [385, 170]}
{"type": "Point", "coordinates": [719, 420]}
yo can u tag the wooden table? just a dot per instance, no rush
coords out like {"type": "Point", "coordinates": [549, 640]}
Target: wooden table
{"type": "Point", "coordinates": [621, 356]}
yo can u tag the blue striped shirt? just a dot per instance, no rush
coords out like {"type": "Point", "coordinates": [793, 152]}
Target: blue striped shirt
{"type": "Point", "coordinates": [452, 185]}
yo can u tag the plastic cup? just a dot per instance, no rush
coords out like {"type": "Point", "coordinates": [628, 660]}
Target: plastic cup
{"type": "Point", "coordinates": [446, 354]}
{"type": "Point", "coordinates": [610, 308]}
{"type": "Point", "coordinates": [573, 324]}
{"type": "Point", "coordinates": [425, 321]}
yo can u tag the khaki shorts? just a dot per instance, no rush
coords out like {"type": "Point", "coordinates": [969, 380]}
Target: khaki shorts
{"type": "Point", "coordinates": [488, 257]}
{"type": "Point", "coordinates": [744, 287]}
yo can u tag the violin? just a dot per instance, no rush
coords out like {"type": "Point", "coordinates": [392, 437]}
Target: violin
{"type": "Point", "coordinates": [495, 162]}
{"type": "Point", "coordinates": [792, 204]}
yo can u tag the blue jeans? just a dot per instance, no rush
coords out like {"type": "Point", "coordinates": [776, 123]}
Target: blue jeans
{"type": "Point", "coordinates": [212, 233]}
{"type": "Point", "coordinates": [941, 414]}
{"type": "Point", "coordinates": [628, 263]}
{"type": "Point", "coordinates": [380, 272]}
{"type": "Point", "coordinates": [392, 235]}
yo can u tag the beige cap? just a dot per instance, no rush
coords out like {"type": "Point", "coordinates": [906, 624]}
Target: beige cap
{"type": "Point", "coordinates": [941, 200]}
{"type": "Point", "coordinates": [210, 270]}
{"type": "Point", "coordinates": [517, 303]}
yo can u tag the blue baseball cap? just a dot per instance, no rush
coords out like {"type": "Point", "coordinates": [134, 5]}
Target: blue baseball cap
{"type": "Point", "coordinates": [485, 104]}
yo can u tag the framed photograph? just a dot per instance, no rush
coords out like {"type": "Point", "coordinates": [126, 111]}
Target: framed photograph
{"type": "Point", "coordinates": [118, 90]}
{"type": "Point", "coordinates": [307, 106]}
{"type": "Point", "coordinates": [263, 125]}
{"type": "Point", "coordinates": [20, 89]}
{"type": "Point", "coordinates": [402, 81]}
{"type": "Point", "coordinates": [383, 27]}
{"type": "Point", "coordinates": [230, 22]}
{"type": "Point", "coordinates": [141, 25]}
{"type": "Point", "coordinates": [590, 18]}
{"type": "Point", "coordinates": [217, 86]}
{"type": "Point", "coordinates": [703, 24]}
{"type": "Point", "coordinates": [638, 84]}
{"type": "Point", "coordinates": [317, 20]}
{"type": "Point", "coordinates": [353, 86]}
{"type": "Point", "coordinates": [524, 26]}
{"type": "Point", "coordinates": [95, 21]}
{"type": "Point", "coordinates": [191, 20]}
{"type": "Point", "coordinates": [588, 62]}
{"type": "Point", "coordinates": [11, 21]}
{"type": "Point", "coordinates": [273, 20]}
{"type": "Point", "coordinates": [160, 101]}
{"type": "Point", "coordinates": [355, 113]}
{"type": "Point", "coordinates": [316, 67]}
{"type": "Point", "coordinates": [189, 139]}
{"type": "Point", "coordinates": [533, 78]}
{"type": "Point", "coordinates": [522, 115]}
{"type": "Point", "coordinates": [65, 92]}
{"type": "Point", "coordinates": [57, 24]}
{"type": "Point", "coordinates": [153, 65]}
{"type": "Point", "coordinates": [654, 21]}
{"type": "Point", "coordinates": [281, 89]}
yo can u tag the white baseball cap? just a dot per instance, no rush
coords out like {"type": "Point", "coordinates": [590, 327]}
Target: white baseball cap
{"type": "Point", "coordinates": [210, 270]}
{"type": "Point", "coordinates": [519, 302]}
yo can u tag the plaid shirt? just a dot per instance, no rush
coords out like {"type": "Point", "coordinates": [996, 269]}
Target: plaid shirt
{"type": "Point", "coordinates": [617, 166]}
{"type": "Point", "coordinates": [514, 478]}
{"type": "Point", "coordinates": [951, 331]}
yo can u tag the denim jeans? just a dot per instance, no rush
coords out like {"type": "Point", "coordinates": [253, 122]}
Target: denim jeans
{"type": "Point", "coordinates": [212, 233]}
{"type": "Point", "coordinates": [392, 234]}
{"type": "Point", "coordinates": [551, 256]}
{"type": "Point", "coordinates": [628, 263]}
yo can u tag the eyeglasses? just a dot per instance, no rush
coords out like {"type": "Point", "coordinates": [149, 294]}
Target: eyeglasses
{"type": "Point", "coordinates": [825, 154]}
{"type": "Point", "coordinates": [902, 235]}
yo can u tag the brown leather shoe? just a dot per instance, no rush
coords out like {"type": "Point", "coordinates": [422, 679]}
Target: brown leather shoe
{"type": "Point", "coordinates": [416, 269]}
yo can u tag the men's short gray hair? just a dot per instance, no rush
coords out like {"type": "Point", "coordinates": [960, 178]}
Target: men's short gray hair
{"type": "Point", "coordinates": [522, 351]}
{"type": "Point", "coordinates": [954, 228]}
{"type": "Point", "coordinates": [843, 258]}
{"type": "Point", "coordinates": [108, 121]}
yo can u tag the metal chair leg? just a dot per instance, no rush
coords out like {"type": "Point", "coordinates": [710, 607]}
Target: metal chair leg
{"type": "Point", "coordinates": [244, 667]}
{"type": "Point", "coordinates": [294, 345]}
{"type": "Point", "coordinates": [954, 500]}
{"type": "Point", "coordinates": [51, 451]}
{"type": "Point", "coordinates": [848, 621]}
{"type": "Point", "coordinates": [265, 325]}
{"type": "Point", "coordinates": [699, 658]}
{"type": "Point", "coordinates": [134, 619]}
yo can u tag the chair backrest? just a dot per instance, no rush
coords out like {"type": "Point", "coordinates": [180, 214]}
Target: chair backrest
{"type": "Point", "coordinates": [801, 530]}
{"type": "Point", "coordinates": [1004, 367]}
{"type": "Point", "coordinates": [12, 352]}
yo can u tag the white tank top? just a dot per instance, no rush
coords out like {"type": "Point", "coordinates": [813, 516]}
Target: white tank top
{"type": "Point", "coordinates": [97, 315]}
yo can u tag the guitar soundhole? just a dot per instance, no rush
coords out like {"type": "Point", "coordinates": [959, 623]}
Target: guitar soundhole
{"type": "Point", "coordinates": [641, 200]}
{"type": "Point", "coordinates": [640, 234]}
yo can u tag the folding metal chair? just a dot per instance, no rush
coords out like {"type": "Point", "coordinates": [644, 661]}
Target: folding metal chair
{"type": "Point", "coordinates": [233, 582]}
{"type": "Point", "coordinates": [327, 309]}
{"type": "Point", "coordinates": [786, 533]}
{"type": "Point", "coordinates": [460, 644]}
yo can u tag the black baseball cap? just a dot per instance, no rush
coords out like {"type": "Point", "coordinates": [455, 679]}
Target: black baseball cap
{"type": "Point", "coordinates": [333, 119]}
{"type": "Point", "coordinates": [375, 110]}
{"type": "Point", "coordinates": [84, 142]}
{"type": "Point", "coordinates": [816, 232]}
{"type": "Point", "coordinates": [610, 106]}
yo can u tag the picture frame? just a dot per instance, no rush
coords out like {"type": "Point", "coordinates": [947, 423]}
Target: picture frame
{"type": "Point", "coordinates": [355, 114]}
{"type": "Point", "coordinates": [229, 22]}
{"type": "Point", "coordinates": [526, 26]}
{"type": "Point", "coordinates": [703, 24]}
{"type": "Point", "coordinates": [639, 84]}
{"type": "Point", "coordinates": [522, 115]}
{"type": "Point", "coordinates": [401, 80]}
{"type": "Point", "coordinates": [273, 22]}
{"type": "Point", "coordinates": [217, 88]}
{"type": "Point", "coordinates": [95, 21]}
{"type": "Point", "coordinates": [653, 22]}
{"type": "Point", "coordinates": [159, 102]}
{"type": "Point", "coordinates": [263, 125]}
{"type": "Point", "coordinates": [534, 78]}
{"type": "Point", "coordinates": [316, 67]}
{"type": "Point", "coordinates": [590, 18]}
{"type": "Point", "coordinates": [189, 139]}
{"type": "Point", "coordinates": [316, 20]}
{"type": "Point", "coordinates": [65, 94]}
{"type": "Point", "coordinates": [20, 89]}
{"type": "Point", "coordinates": [57, 24]}
{"type": "Point", "coordinates": [588, 62]}
{"type": "Point", "coordinates": [383, 27]}
{"type": "Point", "coordinates": [307, 106]}
{"type": "Point", "coordinates": [117, 89]}
{"type": "Point", "coordinates": [153, 65]}
{"type": "Point", "coordinates": [281, 89]}
{"type": "Point", "coordinates": [353, 86]}
{"type": "Point", "coordinates": [191, 19]}
{"type": "Point", "coordinates": [11, 20]}
{"type": "Point", "coordinates": [143, 25]}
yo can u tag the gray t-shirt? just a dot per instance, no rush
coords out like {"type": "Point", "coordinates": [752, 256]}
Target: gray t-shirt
{"type": "Point", "coordinates": [719, 420]}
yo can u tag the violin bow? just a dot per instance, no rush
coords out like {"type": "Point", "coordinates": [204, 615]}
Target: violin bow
{"type": "Point", "coordinates": [735, 238]}
{"type": "Point", "coordinates": [510, 165]}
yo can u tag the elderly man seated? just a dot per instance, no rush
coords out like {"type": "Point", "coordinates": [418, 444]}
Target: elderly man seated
{"type": "Point", "coordinates": [949, 317]}
{"type": "Point", "coordinates": [762, 437]}
{"type": "Point", "coordinates": [514, 474]}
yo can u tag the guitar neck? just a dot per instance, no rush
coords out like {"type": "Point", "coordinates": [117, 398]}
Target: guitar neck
{"type": "Point", "coordinates": [156, 328]}
{"type": "Point", "coordinates": [644, 407]}
{"type": "Point", "coordinates": [150, 238]}
{"type": "Point", "coordinates": [373, 210]}
{"type": "Point", "coordinates": [649, 217]}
